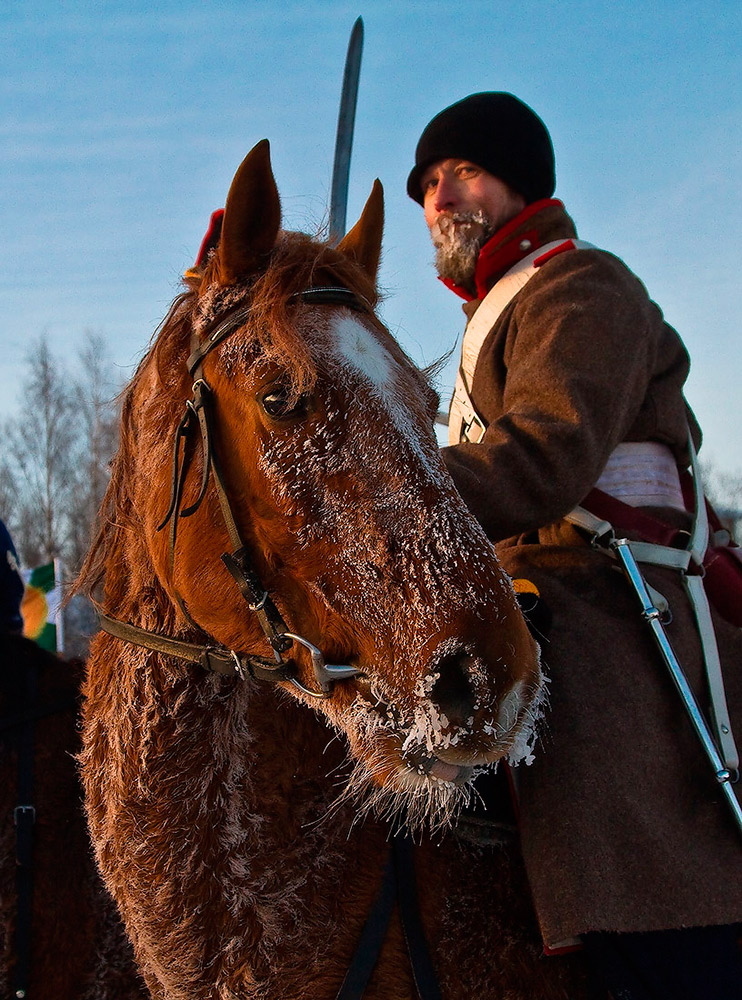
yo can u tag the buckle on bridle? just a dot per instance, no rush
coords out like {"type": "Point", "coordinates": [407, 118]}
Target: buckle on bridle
{"type": "Point", "coordinates": [258, 605]}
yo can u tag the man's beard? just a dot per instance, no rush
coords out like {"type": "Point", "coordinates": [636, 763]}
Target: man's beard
{"type": "Point", "coordinates": [458, 237]}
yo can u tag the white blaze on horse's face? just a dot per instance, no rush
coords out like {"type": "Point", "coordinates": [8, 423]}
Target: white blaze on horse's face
{"type": "Point", "coordinates": [405, 580]}
{"type": "Point", "coordinates": [362, 351]}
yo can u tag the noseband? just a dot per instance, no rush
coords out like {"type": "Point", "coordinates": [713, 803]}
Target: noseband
{"type": "Point", "coordinates": [219, 659]}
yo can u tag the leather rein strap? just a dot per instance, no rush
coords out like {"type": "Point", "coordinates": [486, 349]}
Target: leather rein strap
{"type": "Point", "coordinates": [398, 886]}
{"type": "Point", "coordinates": [199, 413]}
{"type": "Point", "coordinates": [24, 817]}
{"type": "Point", "coordinates": [213, 659]}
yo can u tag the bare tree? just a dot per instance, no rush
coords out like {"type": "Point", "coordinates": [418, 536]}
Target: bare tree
{"type": "Point", "coordinates": [41, 452]}
{"type": "Point", "coordinates": [54, 468]}
{"type": "Point", "coordinates": [8, 491]}
{"type": "Point", "coordinates": [724, 490]}
{"type": "Point", "coordinates": [97, 411]}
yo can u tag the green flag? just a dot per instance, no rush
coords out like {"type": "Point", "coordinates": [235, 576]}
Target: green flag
{"type": "Point", "coordinates": [41, 606]}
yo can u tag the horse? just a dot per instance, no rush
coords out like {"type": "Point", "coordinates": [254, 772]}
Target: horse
{"type": "Point", "coordinates": [60, 933]}
{"type": "Point", "coordinates": [307, 645]}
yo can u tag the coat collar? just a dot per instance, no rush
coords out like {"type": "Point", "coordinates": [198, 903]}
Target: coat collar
{"type": "Point", "coordinates": [538, 223]}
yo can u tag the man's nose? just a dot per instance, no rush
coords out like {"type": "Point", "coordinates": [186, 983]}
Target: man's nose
{"type": "Point", "coordinates": [445, 194]}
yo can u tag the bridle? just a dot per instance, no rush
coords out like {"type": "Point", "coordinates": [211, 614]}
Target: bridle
{"type": "Point", "coordinates": [199, 414]}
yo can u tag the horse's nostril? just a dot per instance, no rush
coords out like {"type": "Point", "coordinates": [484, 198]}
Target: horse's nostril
{"type": "Point", "coordinates": [452, 691]}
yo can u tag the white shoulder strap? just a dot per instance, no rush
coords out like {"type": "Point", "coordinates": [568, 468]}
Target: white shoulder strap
{"type": "Point", "coordinates": [464, 423]}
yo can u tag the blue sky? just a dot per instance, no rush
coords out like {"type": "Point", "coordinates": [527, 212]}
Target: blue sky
{"type": "Point", "coordinates": [123, 123]}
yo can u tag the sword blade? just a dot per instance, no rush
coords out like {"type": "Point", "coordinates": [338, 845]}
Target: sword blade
{"type": "Point", "coordinates": [344, 137]}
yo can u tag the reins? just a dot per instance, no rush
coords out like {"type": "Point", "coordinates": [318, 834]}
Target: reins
{"type": "Point", "coordinates": [398, 888]}
{"type": "Point", "coordinates": [199, 414]}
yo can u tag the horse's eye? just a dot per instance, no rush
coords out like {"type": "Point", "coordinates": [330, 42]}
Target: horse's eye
{"type": "Point", "coordinates": [280, 403]}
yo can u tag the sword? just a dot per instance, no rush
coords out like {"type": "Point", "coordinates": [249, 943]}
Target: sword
{"type": "Point", "coordinates": [344, 137]}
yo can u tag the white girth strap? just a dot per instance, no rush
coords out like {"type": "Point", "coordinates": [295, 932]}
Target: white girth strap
{"type": "Point", "coordinates": [464, 423]}
{"type": "Point", "coordinates": [697, 546]}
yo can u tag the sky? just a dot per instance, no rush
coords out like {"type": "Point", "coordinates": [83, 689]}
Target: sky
{"type": "Point", "coordinates": [123, 123]}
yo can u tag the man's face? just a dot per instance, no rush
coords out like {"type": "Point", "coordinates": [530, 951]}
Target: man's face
{"type": "Point", "coordinates": [464, 205]}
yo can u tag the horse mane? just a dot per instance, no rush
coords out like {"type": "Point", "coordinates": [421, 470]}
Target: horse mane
{"type": "Point", "coordinates": [296, 263]}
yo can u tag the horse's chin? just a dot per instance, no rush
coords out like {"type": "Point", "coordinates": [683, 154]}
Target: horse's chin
{"type": "Point", "coordinates": [407, 797]}
{"type": "Point", "coordinates": [411, 784]}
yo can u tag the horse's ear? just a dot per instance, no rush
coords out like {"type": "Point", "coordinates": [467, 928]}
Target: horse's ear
{"type": "Point", "coordinates": [252, 216]}
{"type": "Point", "coordinates": [363, 242]}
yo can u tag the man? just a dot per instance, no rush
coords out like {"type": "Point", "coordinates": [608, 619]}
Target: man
{"type": "Point", "coordinates": [570, 379]}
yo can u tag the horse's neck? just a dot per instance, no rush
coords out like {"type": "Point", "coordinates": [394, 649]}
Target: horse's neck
{"type": "Point", "coordinates": [148, 700]}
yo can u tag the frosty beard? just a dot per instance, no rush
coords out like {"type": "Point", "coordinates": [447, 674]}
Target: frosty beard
{"type": "Point", "coordinates": [458, 238]}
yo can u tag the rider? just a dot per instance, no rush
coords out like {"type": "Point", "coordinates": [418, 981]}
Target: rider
{"type": "Point", "coordinates": [570, 379]}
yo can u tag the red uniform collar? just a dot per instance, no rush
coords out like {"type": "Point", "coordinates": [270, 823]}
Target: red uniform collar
{"type": "Point", "coordinates": [511, 243]}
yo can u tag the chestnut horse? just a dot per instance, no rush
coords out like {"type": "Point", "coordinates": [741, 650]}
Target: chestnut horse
{"type": "Point", "coordinates": [60, 935]}
{"type": "Point", "coordinates": [240, 808]}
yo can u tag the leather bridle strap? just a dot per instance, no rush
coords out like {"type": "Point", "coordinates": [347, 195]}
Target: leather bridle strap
{"type": "Point", "coordinates": [372, 936]}
{"type": "Point", "coordinates": [218, 659]}
{"type": "Point", "coordinates": [322, 295]}
{"type": "Point", "coordinates": [214, 659]}
{"type": "Point", "coordinates": [238, 560]}
{"type": "Point", "coordinates": [409, 910]}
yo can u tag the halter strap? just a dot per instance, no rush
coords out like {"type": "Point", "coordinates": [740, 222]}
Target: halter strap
{"type": "Point", "coordinates": [321, 295]}
{"type": "Point", "coordinates": [213, 659]}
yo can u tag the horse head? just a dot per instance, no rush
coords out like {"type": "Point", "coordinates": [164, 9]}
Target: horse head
{"type": "Point", "coordinates": [323, 429]}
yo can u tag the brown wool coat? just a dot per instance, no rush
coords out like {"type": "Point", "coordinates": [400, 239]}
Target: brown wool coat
{"type": "Point", "coordinates": [622, 826]}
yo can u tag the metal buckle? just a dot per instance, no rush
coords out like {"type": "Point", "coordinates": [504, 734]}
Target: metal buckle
{"type": "Point", "coordinates": [238, 665]}
{"type": "Point", "coordinates": [260, 604]}
{"type": "Point", "coordinates": [20, 811]}
{"type": "Point", "coordinates": [467, 425]}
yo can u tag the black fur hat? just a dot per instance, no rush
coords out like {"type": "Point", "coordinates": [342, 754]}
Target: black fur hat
{"type": "Point", "coordinates": [496, 131]}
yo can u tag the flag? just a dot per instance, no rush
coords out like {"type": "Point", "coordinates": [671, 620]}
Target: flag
{"type": "Point", "coordinates": [41, 606]}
